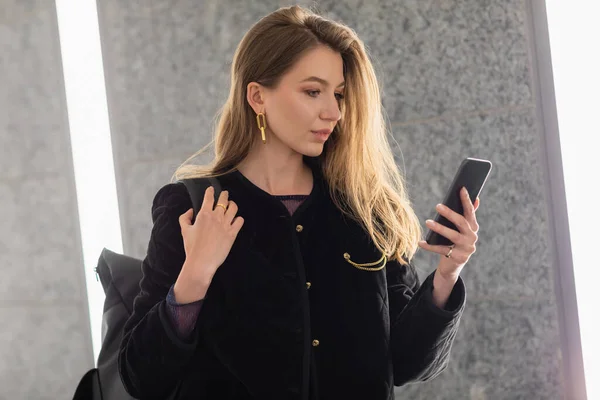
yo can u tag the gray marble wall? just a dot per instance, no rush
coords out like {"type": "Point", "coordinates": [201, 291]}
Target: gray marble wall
{"type": "Point", "coordinates": [45, 343]}
{"type": "Point", "coordinates": [458, 82]}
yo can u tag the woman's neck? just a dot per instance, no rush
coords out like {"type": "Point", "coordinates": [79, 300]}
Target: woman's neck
{"type": "Point", "coordinates": [286, 179]}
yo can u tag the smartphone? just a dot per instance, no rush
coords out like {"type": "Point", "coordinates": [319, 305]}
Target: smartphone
{"type": "Point", "coordinates": [472, 174]}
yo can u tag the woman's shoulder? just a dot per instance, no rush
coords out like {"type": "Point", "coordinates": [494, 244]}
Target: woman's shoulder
{"type": "Point", "coordinates": [171, 197]}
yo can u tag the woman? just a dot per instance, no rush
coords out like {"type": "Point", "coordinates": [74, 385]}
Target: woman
{"type": "Point", "coordinates": [297, 283]}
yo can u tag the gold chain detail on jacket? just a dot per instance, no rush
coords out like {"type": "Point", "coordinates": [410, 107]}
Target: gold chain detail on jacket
{"type": "Point", "coordinates": [364, 266]}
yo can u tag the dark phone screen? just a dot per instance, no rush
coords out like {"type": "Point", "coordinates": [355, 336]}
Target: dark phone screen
{"type": "Point", "coordinates": [472, 174]}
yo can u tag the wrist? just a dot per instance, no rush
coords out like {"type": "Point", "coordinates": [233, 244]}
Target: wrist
{"type": "Point", "coordinates": [444, 281]}
{"type": "Point", "coordinates": [447, 277]}
{"type": "Point", "coordinates": [442, 287]}
{"type": "Point", "coordinates": [187, 290]}
{"type": "Point", "coordinates": [197, 272]}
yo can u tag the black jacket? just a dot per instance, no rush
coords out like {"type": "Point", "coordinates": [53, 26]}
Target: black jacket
{"type": "Point", "coordinates": [263, 332]}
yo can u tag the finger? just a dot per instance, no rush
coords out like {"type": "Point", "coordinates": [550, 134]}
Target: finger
{"type": "Point", "coordinates": [454, 217]}
{"type": "Point", "coordinates": [466, 200]}
{"type": "Point", "coordinates": [237, 225]}
{"type": "Point", "coordinates": [209, 199]}
{"type": "Point", "coordinates": [186, 217]}
{"type": "Point", "coordinates": [223, 199]}
{"type": "Point", "coordinates": [439, 249]}
{"type": "Point", "coordinates": [231, 211]}
{"type": "Point", "coordinates": [457, 254]}
{"type": "Point", "coordinates": [451, 234]}
{"type": "Point", "coordinates": [473, 220]}
{"type": "Point", "coordinates": [469, 209]}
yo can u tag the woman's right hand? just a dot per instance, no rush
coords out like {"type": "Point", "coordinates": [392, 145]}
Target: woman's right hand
{"type": "Point", "coordinates": [209, 239]}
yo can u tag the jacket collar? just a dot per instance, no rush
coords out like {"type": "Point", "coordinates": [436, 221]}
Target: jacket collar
{"type": "Point", "coordinates": [259, 196]}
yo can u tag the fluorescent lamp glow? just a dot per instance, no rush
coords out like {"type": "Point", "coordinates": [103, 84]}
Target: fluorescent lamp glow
{"type": "Point", "coordinates": [90, 141]}
{"type": "Point", "coordinates": [574, 30]}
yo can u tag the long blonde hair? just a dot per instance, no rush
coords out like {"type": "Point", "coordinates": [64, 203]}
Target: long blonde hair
{"type": "Point", "coordinates": [357, 163]}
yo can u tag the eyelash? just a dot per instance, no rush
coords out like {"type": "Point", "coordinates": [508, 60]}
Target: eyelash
{"type": "Point", "coordinates": [341, 96]}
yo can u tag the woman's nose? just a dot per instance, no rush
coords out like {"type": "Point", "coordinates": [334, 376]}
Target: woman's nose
{"type": "Point", "coordinates": [332, 112]}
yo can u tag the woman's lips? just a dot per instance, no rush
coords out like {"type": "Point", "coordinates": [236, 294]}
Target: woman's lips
{"type": "Point", "coordinates": [322, 134]}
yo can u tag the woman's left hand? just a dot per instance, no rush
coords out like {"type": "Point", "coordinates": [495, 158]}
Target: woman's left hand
{"type": "Point", "coordinates": [464, 241]}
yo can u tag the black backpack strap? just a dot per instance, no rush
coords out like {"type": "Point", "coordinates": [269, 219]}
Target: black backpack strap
{"type": "Point", "coordinates": [196, 188]}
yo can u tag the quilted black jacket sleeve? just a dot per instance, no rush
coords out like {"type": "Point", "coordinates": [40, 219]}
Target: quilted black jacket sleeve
{"type": "Point", "coordinates": [421, 333]}
{"type": "Point", "coordinates": [152, 356]}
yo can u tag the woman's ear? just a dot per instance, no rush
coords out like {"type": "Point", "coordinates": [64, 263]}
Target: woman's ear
{"type": "Point", "coordinates": [255, 97]}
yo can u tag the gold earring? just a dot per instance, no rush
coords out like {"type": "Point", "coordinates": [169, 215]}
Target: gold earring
{"type": "Point", "coordinates": [264, 125]}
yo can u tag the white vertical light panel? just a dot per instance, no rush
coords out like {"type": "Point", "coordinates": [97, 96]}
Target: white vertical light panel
{"type": "Point", "coordinates": [574, 30]}
{"type": "Point", "coordinates": [90, 141]}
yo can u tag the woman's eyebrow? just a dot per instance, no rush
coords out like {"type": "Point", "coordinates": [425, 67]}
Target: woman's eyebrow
{"type": "Point", "coordinates": [320, 80]}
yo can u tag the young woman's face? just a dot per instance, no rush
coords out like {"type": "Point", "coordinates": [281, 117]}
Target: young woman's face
{"type": "Point", "coordinates": [307, 99]}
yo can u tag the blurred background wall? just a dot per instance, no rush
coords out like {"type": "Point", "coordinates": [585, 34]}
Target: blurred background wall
{"type": "Point", "coordinates": [458, 80]}
{"type": "Point", "coordinates": [45, 342]}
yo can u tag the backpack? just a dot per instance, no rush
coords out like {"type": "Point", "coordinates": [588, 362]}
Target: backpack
{"type": "Point", "coordinates": [120, 276]}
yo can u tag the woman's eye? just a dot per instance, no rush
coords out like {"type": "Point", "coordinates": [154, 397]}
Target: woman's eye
{"type": "Point", "coordinates": [314, 93]}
